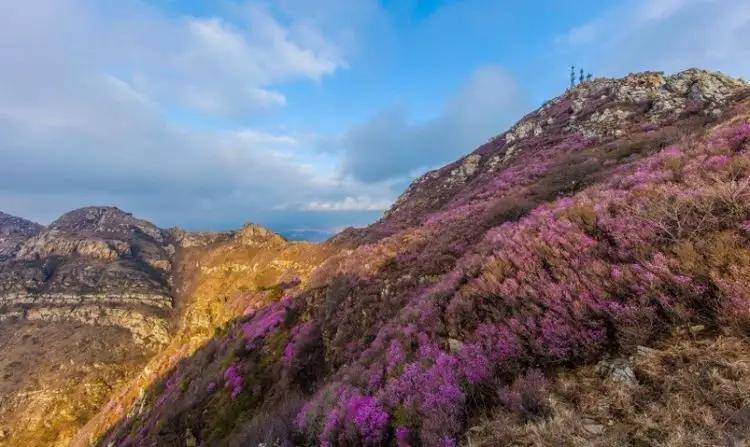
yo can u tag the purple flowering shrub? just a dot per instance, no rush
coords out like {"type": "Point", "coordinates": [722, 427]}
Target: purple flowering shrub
{"type": "Point", "coordinates": [303, 354]}
{"type": "Point", "coordinates": [573, 278]}
{"type": "Point", "coordinates": [233, 380]}
{"type": "Point", "coordinates": [265, 320]}
{"type": "Point", "coordinates": [462, 300]}
{"type": "Point", "coordinates": [353, 418]}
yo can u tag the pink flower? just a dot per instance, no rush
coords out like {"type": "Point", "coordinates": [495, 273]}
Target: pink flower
{"type": "Point", "coordinates": [233, 380]}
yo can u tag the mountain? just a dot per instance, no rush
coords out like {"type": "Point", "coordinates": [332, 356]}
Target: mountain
{"type": "Point", "coordinates": [580, 279]}
{"type": "Point", "coordinates": [13, 231]}
{"type": "Point", "coordinates": [86, 303]}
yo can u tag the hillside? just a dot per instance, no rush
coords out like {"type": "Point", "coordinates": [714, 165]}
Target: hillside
{"type": "Point", "coordinates": [86, 302]}
{"type": "Point", "coordinates": [581, 279]}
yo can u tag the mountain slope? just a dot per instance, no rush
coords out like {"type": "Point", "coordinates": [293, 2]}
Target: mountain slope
{"type": "Point", "coordinates": [87, 302]}
{"type": "Point", "coordinates": [83, 304]}
{"type": "Point", "coordinates": [606, 220]}
{"type": "Point", "coordinates": [86, 259]}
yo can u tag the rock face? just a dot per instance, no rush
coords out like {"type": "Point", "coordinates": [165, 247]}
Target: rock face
{"type": "Point", "coordinates": [96, 265]}
{"type": "Point", "coordinates": [13, 232]}
{"type": "Point", "coordinates": [87, 302]}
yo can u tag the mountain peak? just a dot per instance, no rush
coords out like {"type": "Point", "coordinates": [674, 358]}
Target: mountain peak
{"type": "Point", "coordinates": [593, 112]}
{"type": "Point", "coordinates": [251, 234]}
{"type": "Point", "coordinates": [104, 219]}
{"type": "Point", "coordinates": [13, 232]}
{"type": "Point", "coordinates": [606, 108]}
{"type": "Point", "coordinates": [12, 225]}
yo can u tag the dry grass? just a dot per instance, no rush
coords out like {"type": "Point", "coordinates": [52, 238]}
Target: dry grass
{"type": "Point", "coordinates": [687, 392]}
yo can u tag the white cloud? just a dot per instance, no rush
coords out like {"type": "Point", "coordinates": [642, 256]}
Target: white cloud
{"type": "Point", "coordinates": [361, 203]}
{"type": "Point", "coordinates": [87, 95]}
{"type": "Point", "coordinates": [229, 67]}
{"type": "Point", "coordinates": [667, 35]}
{"type": "Point", "coordinates": [390, 147]}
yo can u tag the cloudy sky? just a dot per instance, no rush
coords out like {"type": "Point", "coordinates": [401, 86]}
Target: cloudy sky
{"type": "Point", "coordinates": [303, 116]}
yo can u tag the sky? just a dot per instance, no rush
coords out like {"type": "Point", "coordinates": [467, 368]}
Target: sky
{"type": "Point", "coordinates": [306, 117]}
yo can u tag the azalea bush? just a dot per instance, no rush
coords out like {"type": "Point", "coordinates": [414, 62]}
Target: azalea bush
{"type": "Point", "coordinates": [567, 250]}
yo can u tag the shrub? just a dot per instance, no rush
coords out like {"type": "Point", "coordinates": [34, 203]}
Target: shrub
{"type": "Point", "coordinates": [302, 358]}
{"type": "Point", "coordinates": [233, 380]}
{"type": "Point", "coordinates": [527, 396]}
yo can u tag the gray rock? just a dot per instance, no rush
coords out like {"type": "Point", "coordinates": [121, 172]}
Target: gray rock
{"type": "Point", "coordinates": [646, 351]}
{"type": "Point", "coordinates": [594, 429]}
{"type": "Point", "coordinates": [455, 345]}
{"type": "Point", "coordinates": [618, 370]}
{"type": "Point", "coordinates": [624, 374]}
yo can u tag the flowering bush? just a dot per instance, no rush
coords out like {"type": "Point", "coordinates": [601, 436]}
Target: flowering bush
{"type": "Point", "coordinates": [264, 321]}
{"type": "Point", "coordinates": [557, 250]}
{"type": "Point", "coordinates": [233, 380]}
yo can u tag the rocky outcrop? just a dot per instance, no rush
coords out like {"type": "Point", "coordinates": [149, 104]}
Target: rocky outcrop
{"type": "Point", "coordinates": [13, 232]}
{"type": "Point", "coordinates": [96, 265]}
{"type": "Point", "coordinates": [69, 299]}
{"type": "Point", "coordinates": [190, 239]}
{"type": "Point", "coordinates": [114, 281]}
{"type": "Point", "coordinates": [595, 111]}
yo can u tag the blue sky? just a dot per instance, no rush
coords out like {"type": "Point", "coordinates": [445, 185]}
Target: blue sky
{"type": "Point", "coordinates": [303, 116]}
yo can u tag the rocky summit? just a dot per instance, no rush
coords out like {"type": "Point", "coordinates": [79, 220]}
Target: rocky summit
{"type": "Point", "coordinates": [94, 266]}
{"type": "Point", "coordinates": [579, 279]}
{"type": "Point", "coordinates": [13, 232]}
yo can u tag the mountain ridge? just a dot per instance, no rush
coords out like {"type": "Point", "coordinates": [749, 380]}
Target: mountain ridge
{"type": "Point", "coordinates": [108, 288]}
{"type": "Point", "coordinates": [579, 253]}
{"type": "Point", "coordinates": [594, 229]}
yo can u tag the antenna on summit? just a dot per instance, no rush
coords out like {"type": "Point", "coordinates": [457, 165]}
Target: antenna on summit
{"type": "Point", "coordinates": [572, 76]}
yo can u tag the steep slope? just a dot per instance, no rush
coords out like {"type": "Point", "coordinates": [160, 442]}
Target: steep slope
{"type": "Point", "coordinates": [237, 274]}
{"type": "Point", "coordinates": [597, 224]}
{"type": "Point", "coordinates": [83, 303]}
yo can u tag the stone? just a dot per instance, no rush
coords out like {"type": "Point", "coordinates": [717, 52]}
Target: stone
{"type": "Point", "coordinates": [624, 374]}
{"type": "Point", "coordinates": [594, 429]}
{"type": "Point", "coordinates": [190, 439]}
{"type": "Point", "coordinates": [644, 350]}
{"type": "Point", "coordinates": [617, 370]}
{"type": "Point", "coordinates": [455, 345]}
{"type": "Point", "coordinates": [466, 169]}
